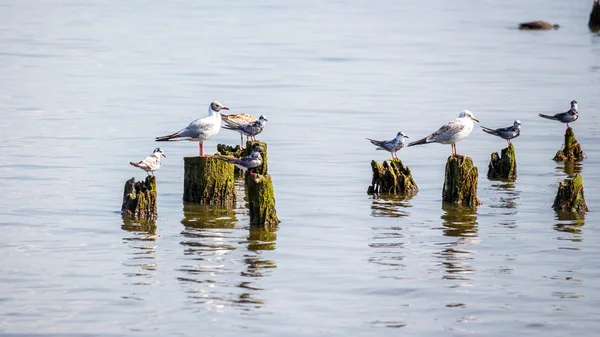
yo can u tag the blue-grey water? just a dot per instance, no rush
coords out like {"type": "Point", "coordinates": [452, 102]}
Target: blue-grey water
{"type": "Point", "coordinates": [86, 86]}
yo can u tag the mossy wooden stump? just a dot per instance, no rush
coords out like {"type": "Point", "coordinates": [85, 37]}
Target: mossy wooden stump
{"type": "Point", "coordinates": [594, 22]}
{"type": "Point", "coordinates": [503, 166]}
{"type": "Point", "coordinates": [261, 201]}
{"type": "Point", "coordinates": [569, 197]}
{"type": "Point", "coordinates": [571, 150]}
{"type": "Point", "coordinates": [392, 178]}
{"type": "Point", "coordinates": [139, 198]}
{"type": "Point", "coordinates": [460, 182]}
{"type": "Point", "coordinates": [208, 181]}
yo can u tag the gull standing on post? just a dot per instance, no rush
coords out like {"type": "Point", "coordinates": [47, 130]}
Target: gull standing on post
{"type": "Point", "coordinates": [391, 146]}
{"type": "Point", "coordinates": [565, 117]}
{"type": "Point", "coordinates": [251, 161]}
{"type": "Point", "coordinates": [237, 120]}
{"type": "Point", "coordinates": [201, 129]}
{"type": "Point", "coordinates": [150, 163]}
{"type": "Point", "coordinates": [507, 133]}
{"type": "Point", "coordinates": [251, 129]}
{"type": "Point", "coordinates": [451, 132]}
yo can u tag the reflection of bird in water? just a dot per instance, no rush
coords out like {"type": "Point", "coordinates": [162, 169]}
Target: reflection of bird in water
{"type": "Point", "coordinates": [507, 133]}
{"type": "Point", "coordinates": [150, 163]}
{"type": "Point", "coordinates": [565, 117]}
{"type": "Point", "coordinates": [452, 132]}
{"type": "Point", "coordinates": [391, 146]}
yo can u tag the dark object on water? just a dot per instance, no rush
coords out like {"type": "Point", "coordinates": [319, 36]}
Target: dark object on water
{"type": "Point", "coordinates": [392, 178]}
{"type": "Point", "coordinates": [460, 182]}
{"type": "Point", "coordinates": [572, 150]}
{"type": "Point", "coordinates": [504, 166]}
{"type": "Point", "coordinates": [569, 197]}
{"type": "Point", "coordinates": [537, 25]}
{"type": "Point", "coordinates": [209, 181]}
{"type": "Point", "coordinates": [139, 198]}
{"type": "Point", "coordinates": [594, 22]}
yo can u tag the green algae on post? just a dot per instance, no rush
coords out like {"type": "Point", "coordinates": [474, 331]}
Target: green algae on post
{"type": "Point", "coordinates": [139, 198]}
{"type": "Point", "coordinates": [209, 181]}
{"type": "Point", "coordinates": [392, 178]}
{"type": "Point", "coordinates": [261, 201]}
{"type": "Point", "coordinates": [503, 166]}
{"type": "Point", "coordinates": [571, 150]}
{"type": "Point", "coordinates": [570, 196]}
{"type": "Point", "coordinates": [460, 182]}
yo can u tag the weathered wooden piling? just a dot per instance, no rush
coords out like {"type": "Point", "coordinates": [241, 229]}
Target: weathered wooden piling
{"type": "Point", "coordinates": [594, 23]}
{"type": "Point", "coordinates": [261, 201]}
{"type": "Point", "coordinates": [139, 198]}
{"type": "Point", "coordinates": [503, 166]}
{"type": "Point", "coordinates": [571, 150]}
{"type": "Point", "coordinates": [232, 151]}
{"type": "Point", "coordinates": [569, 197]}
{"type": "Point", "coordinates": [460, 182]}
{"type": "Point", "coordinates": [392, 178]}
{"type": "Point", "coordinates": [208, 180]}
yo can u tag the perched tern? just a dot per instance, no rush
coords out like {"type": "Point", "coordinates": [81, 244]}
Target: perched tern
{"type": "Point", "coordinates": [565, 117]}
{"type": "Point", "coordinates": [391, 146]}
{"type": "Point", "coordinates": [251, 161]}
{"type": "Point", "coordinates": [251, 129]}
{"type": "Point", "coordinates": [507, 133]}
{"type": "Point", "coordinates": [150, 163]}
{"type": "Point", "coordinates": [201, 129]}
{"type": "Point", "coordinates": [451, 132]}
{"type": "Point", "coordinates": [237, 120]}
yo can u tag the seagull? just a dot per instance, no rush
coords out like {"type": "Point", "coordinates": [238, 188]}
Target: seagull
{"type": "Point", "coordinates": [150, 163]}
{"type": "Point", "coordinates": [237, 120]}
{"type": "Point", "coordinates": [251, 129]}
{"type": "Point", "coordinates": [392, 146]}
{"type": "Point", "coordinates": [451, 132]}
{"type": "Point", "coordinates": [201, 129]}
{"type": "Point", "coordinates": [507, 133]}
{"type": "Point", "coordinates": [251, 161]}
{"type": "Point", "coordinates": [565, 117]}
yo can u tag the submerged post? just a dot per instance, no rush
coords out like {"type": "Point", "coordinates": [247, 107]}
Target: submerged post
{"type": "Point", "coordinates": [569, 197]}
{"type": "Point", "coordinates": [503, 166]}
{"type": "Point", "coordinates": [392, 178]}
{"type": "Point", "coordinates": [594, 23]}
{"type": "Point", "coordinates": [208, 180]}
{"type": "Point", "coordinates": [460, 182]}
{"type": "Point", "coordinates": [139, 198]}
{"type": "Point", "coordinates": [571, 150]}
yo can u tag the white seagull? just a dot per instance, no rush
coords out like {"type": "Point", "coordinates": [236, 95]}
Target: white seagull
{"type": "Point", "coordinates": [391, 146]}
{"type": "Point", "coordinates": [507, 133]}
{"type": "Point", "coordinates": [451, 132]}
{"type": "Point", "coordinates": [150, 163]}
{"type": "Point", "coordinates": [565, 117]}
{"type": "Point", "coordinates": [251, 161]}
{"type": "Point", "coordinates": [201, 129]}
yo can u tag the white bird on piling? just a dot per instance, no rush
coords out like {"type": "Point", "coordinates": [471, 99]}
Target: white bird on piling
{"type": "Point", "coordinates": [150, 163]}
{"type": "Point", "coordinates": [201, 129]}
{"type": "Point", "coordinates": [452, 132]}
{"type": "Point", "coordinates": [237, 120]}
{"type": "Point", "coordinates": [250, 129]}
{"type": "Point", "coordinates": [391, 146]}
{"type": "Point", "coordinates": [565, 117]}
{"type": "Point", "coordinates": [507, 133]}
{"type": "Point", "coordinates": [251, 161]}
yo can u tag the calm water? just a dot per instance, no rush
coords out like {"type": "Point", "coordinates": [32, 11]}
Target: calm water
{"type": "Point", "coordinates": [85, 87]}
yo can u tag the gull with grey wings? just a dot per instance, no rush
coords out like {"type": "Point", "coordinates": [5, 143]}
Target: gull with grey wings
{"type": "Point", "coordinates": [150, 163]}
{"type": "Point", "coordinates": [507, 133]}
{"type": "Point", "coordinates": [451, 132]}
{"type": "Point", "coordinates": [391, 146]}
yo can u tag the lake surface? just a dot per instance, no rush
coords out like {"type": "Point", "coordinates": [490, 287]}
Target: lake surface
{"type": "Point", "coordinates": [85, 87]}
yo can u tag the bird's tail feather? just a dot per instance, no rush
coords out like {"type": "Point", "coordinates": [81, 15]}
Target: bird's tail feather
{"type": "Point", "coordinates": [547, 117]}
{"type": "Point", "coordinates": [488, 130]}
{"type": "Point", "coordinates": [134, 164]}
{"type": "Point", "coordinates": [166, 138]}
{"type": "Point", "coordinates": [418, 142]}
{"type": "Point", "coordinates": [373, 141]}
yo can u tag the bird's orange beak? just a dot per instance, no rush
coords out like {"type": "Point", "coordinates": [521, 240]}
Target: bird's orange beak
{"type": "Point", "coordinates": [225, 108]}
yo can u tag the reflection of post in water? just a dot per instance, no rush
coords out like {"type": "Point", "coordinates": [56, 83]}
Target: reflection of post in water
{"type": "Point", "coordinates": [389, 205]}
{"type": "Point", "coordinates": [459, 222]}
{"type": "Point", "coordinates": [569, 167]}
{"type": "Point", "coordinates": [208, 216]}
{"type": "Point", "coordinates": [508, 196]}
{"type": "Point", "coordinates": [143, 256]}
{"type": "Point", "coordinates": [570, 222]}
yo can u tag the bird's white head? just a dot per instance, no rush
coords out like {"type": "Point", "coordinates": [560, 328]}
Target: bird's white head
{"type": "Point", "coordinates": [401, 135]}
{"type": "Point", "coordinates": [216, 107]}
{"type": "Point", "coordinates": [262, 119]}
{"type": "Point", "coordinates": [158, 152]}
{"type": "Point", "coordinates": [467, 114]}
{"type": "Point", "coordinates": [517, 124]}
{"type": "Point", "coordinates": [573, 105]}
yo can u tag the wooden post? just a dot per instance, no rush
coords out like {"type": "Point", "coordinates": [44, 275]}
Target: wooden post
{"type": "Point", "coordinates": [139, 198]}
{"type": "Point", "coordinates": [261, 201]}
{"type": "Point", "coordinates": [460, 182]}
{"type": "Point", "coordinates": [504, 166]}
{"type": "Point", "coordinates": [571, 150]}
{"type": "Point", "coordinates": [594, 22]}
{"type": "Point", "coordinates": [392, 178]}
{"type": "Point", "coordinates": [569, 197]}
{"type": "Point", "coordinates": [208, 180]}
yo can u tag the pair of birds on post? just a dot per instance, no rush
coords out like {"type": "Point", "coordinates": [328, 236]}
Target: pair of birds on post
{"type": "Point", "coordinates": [458, 129]}
{"type": "Point", "coordinates": [207, 127]}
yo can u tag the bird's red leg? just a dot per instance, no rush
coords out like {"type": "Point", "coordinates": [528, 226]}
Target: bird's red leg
{"type": "Point", "coordinates": [201, 149]}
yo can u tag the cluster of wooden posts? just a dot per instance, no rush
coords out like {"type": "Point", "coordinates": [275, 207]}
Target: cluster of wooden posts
{"type": "Point", "coordinates": [210, 181]}
{"type": "Point", "coordinates": [461, 176]}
